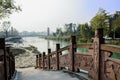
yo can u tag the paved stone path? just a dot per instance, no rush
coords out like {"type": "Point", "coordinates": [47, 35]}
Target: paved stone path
{"type": "Point", "coordinates": [36, 74]}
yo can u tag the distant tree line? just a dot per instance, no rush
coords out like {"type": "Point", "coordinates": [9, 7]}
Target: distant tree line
{"type": "Point", "coordinates": [109, 23]}
{"type": "Point", "coordinates": [81, 30]}
{"type": "Point", "coordinates": [6, 30]}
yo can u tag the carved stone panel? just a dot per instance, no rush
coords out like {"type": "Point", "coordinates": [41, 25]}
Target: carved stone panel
{"type": "Point", "coordinates": [53, 62]}
{"type": "Point", "coordinates": [65, 60]}
{"type": "Point", "coordinates": [112, 69]}
{"type": "Point", "coordinates": [46, 63]}
{"type": "Point", "coordinates": [85, 62]}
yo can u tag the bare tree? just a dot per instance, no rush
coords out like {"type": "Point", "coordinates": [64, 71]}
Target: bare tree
{"type": "Point", "coordinates": [6, 25]}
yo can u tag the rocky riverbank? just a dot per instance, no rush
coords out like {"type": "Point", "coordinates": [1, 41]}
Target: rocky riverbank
{"type": "Point", "coordinates": [25, 56]}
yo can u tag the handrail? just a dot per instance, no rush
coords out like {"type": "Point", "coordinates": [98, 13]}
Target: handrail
{"type": "Point", "coordinates": [111, 48]}
{"type": "Point", "coordinates": [60, 50]}
{"type": "Point", "coordinates": [64, 48]}
{"type": "Point", "coordinates": [114, 60]}
{"type": "Point", "coordinates": [84, 45]}
{"type": "Point", "coordinates": [76, 46]}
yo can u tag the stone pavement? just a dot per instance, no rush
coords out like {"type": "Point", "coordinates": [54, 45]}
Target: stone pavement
{"type": "Point", "coordinates": [36, 74]}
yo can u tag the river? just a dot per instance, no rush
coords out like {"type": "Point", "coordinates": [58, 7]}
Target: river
{"type": "Point", "coordinates": [43, 44]}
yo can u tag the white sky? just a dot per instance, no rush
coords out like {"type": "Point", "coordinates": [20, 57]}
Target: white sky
{"type": "Point", "coordinates": [37, 15]}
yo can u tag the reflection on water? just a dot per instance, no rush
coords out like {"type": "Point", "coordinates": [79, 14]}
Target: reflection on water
{"type": "Point", "coordinates": [43, 44]}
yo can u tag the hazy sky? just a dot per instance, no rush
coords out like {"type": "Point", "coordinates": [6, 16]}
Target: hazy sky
{"type": "Point", "coordinates": [37, 15]}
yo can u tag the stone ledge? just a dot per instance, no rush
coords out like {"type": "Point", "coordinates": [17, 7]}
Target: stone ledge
{"type": "Point", "coordinates": [81, 76]}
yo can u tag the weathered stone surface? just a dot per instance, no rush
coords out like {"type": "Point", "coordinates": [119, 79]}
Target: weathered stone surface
{"type": "Point", "coordinates": [97, 61]}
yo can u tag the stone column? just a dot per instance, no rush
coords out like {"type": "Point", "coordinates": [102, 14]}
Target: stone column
{"type": "Point", "coordinates": [73, 50]}
{"type": "Point", "coordinates": [43, 60]}
{"type": "Point", "coordinates": [57, 56]}
{"type": "Point", "coordinates": [49, 51]}
{"type": "Point", "coordinates": [9, 62]}
{"type": "Point", "coordinates": [36, 61]}
{"type": "Point", "coordinates": [39, 60]}
{"type": "Point", "coordinates": [97, 56]}
{"type": "Point", "coordinates": [2, 46]}
{"type": "Point", "coordinates": [13, 63]}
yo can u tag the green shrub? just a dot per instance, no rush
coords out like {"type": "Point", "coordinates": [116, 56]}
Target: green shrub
{"type": "Point", "coordinates": [114, 43]}
{"type": "Point", "coordinates": [89, 40]}
{"type": "Point", "coordinates": [83, 40]}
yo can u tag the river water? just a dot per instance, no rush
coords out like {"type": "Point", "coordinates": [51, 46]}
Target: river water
{"type": "Point", "coordinates": [42, 44]}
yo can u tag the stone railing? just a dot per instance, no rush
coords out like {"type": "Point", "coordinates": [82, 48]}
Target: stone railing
{"type": "Point", "coordinates": [7, 61]}
{"type": "Point", "coordinates": [97, 61]}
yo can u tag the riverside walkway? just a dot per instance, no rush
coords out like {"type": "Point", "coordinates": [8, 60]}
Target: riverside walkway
{"type": "Point", "coordinates": [37, 74]}
{"type": "Point", "coordinates": [98, 62]}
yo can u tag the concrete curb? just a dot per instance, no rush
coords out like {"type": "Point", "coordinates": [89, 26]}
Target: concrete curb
{"type": "Point", "coordinates": [78, 75]}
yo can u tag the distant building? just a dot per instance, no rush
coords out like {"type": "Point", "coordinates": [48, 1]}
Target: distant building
{"type": "Point", "coordinates": [48, 31]}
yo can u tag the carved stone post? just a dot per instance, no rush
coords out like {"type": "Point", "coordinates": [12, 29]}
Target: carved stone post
{"type": "Point", "coordinates": [39, 60]}
{"type": "Point", "coordinates": [9, 62]}
{"type": "Point", "coordinates": [43, 60]}
{"type": "Point", "coordinates": [13, 63]}
{"type": "Point", "coordinates": [49, 51]}
{"type": "Point", "coordinates": [36, 61]}
{"type": "Point", "coordinates": [73, 50]}
{"type": "Point", "coordinates": [97, 55]}
{"type": "Point", "coordinates": [57, 56]}
{"type": "Point", "coordinates": [2, 46]}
